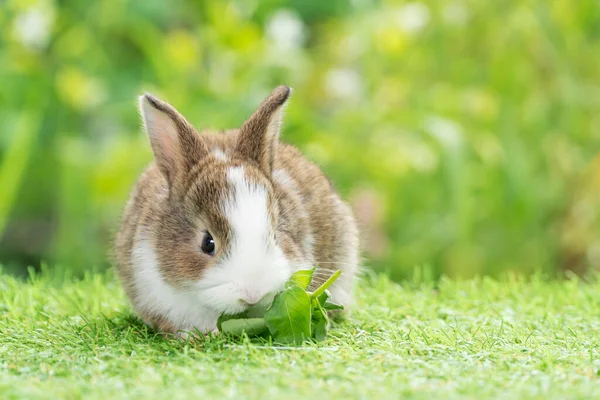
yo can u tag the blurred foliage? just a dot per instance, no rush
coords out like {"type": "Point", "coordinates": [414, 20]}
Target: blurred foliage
{"type": "Point", "coordinates": [465, 132]}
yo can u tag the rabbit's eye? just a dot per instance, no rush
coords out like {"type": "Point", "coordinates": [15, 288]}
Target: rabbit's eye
{"type": "Point", "coordinates": [208, 244]}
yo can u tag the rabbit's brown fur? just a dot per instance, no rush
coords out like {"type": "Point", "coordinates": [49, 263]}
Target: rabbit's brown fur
{"type": "Point", "coordinates": [185, 192]}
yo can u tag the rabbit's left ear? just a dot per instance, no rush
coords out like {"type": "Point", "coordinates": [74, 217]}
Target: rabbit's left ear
{"type": "Point", "coordinates": [260, 133]}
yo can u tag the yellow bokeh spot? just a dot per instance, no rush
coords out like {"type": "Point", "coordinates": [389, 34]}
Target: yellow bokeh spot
{"type": "Point", "coordinates": [79, 90]}
{"type": "Point", "coordinates": [181, 49]}
{"type": "Point", "coordinates": [390, 40]}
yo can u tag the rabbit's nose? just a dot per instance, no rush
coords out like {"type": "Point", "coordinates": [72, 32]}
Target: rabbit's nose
{"type": "Point", "coordinates": [250, 298]}
{"type": "Point", "coordinates": [253, 297]}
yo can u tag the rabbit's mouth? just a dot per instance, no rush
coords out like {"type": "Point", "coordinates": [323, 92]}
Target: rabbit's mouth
{"type": "Point", "coordinates": [233, 298]}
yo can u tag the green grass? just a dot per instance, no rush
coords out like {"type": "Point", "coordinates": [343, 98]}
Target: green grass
{"type": "Point", "coordinates": [470, 339]}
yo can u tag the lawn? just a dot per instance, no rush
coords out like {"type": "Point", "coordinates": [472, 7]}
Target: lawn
{"type": "Point", "coordinates": [468, 339]}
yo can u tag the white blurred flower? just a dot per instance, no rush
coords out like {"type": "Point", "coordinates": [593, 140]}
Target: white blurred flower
{"type": "Point", "coordinates": [285, 30]}
{"type": "Point", "coordinates": [344, 84]}
{"type": "Point", "coordinates": [33, 26]}
{"type": "Point", "coordinates": [448, 133]}
{"type": "Point", "coordinates": [455, 13]}
{"type": "Point", "coordinates": [352, 46]}
{"type": "Point", "coordinates": [412, 17]}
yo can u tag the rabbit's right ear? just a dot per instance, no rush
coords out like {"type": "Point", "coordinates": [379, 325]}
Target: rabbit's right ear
{"type": "Point", "coordinates": [175, 143]}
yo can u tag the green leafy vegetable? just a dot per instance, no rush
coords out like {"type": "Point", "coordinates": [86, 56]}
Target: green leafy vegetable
{"type": "Point", "coordinates": [289, 318]}
{"type": "Point", "coordinates": [252, 326]}
{"type": "Point", "coordinates": [294, 316]}
{"type": "Point", "coordinates": [319, 321]}
{"type": "Point", "coordinates": [331, 306]}
{"type": "Point", "coordinates": [301, 278]}
{"type": "Point", "coordinates": [326, 304]}
{"type": "Point", "coordinates": [227, 317]}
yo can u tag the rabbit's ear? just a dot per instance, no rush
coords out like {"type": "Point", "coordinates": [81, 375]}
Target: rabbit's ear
{"type": "Point", "coordinates": [260, 133]}
{"type": "Point", "coordinates": [175, 143]}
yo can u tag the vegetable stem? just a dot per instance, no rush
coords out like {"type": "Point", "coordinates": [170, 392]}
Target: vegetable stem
{"type": "Point", "coordinates": [326, 284]}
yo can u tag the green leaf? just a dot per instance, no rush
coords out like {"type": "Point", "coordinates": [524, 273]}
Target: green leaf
{"type": "Point", "coordinates": [227, 317]}
{"type": "Point", "coordinates": [326, 284]}
{"type": "Point", "coordinates": [319, 322]}
{"type": "Point", "coordinates": [327, 304]}
{"type": "Point", "coordinates": [301, 278]}
{"type": "Point", "coordinates": [289, 317]}
{"type": "Point", "coordinates": [252, 326]}
{"type": "Point", "coordinates": [324, 297]}
{"type": "Point", "coordinates": [258, 310]}
{"type": "Point", "coordinates": [330, 306]}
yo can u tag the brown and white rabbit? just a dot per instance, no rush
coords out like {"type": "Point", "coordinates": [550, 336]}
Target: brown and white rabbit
{"type": "Point", "coordinates": [220, 221]}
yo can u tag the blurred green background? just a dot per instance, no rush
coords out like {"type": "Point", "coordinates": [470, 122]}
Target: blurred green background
{"type": "Point", "coordinates": [464, 132]}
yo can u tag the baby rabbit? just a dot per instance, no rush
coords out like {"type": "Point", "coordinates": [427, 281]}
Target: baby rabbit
{"type": "Point", "coordinates": [219, 222]}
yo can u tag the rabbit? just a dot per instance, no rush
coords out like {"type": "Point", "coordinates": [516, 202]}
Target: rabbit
{"type": "Point", "coordinates": [219, 221]}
